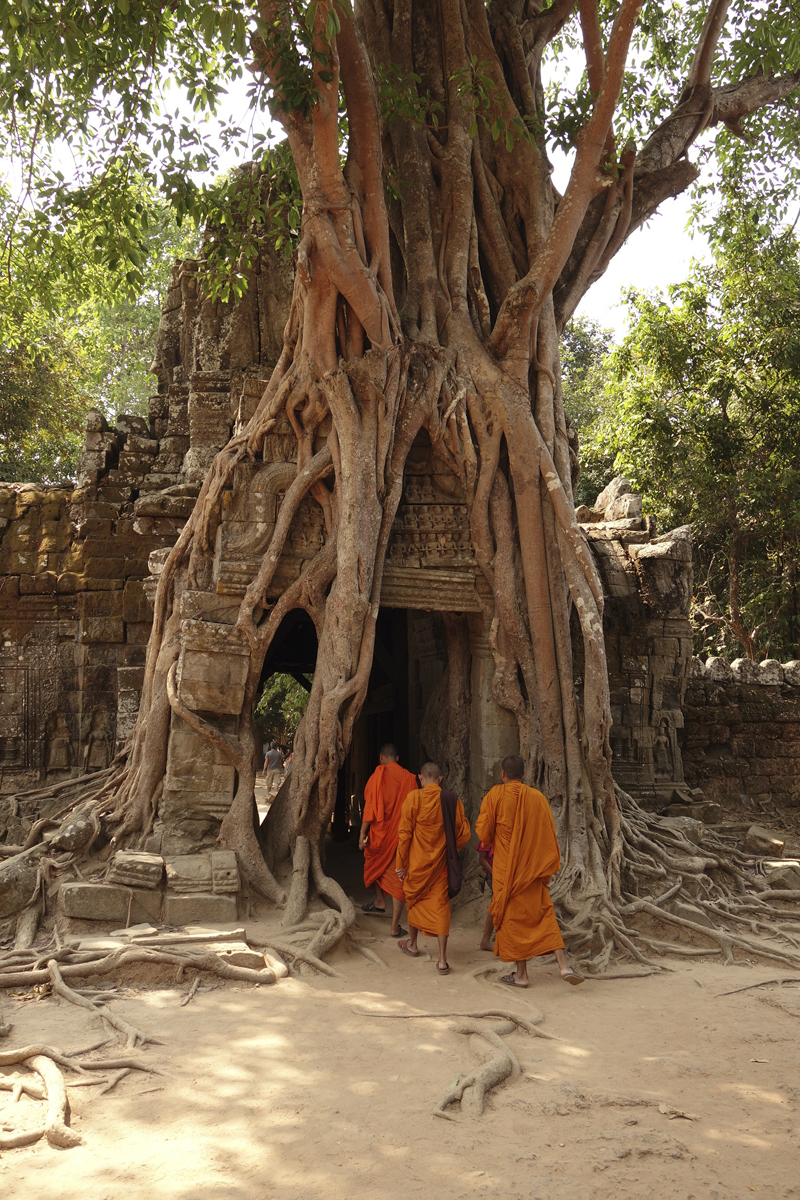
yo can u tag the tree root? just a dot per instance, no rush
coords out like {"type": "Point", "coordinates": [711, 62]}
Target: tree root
{"type": "Point", "coordinates": [105, 963]}
{"type": "Point", "coordinates": [298, 955]}
{"type": "Point", "coordinates": [498, 1063]}
{"type": "Point", "coordinates": [528, 1023]}
{"type": "Point", "coordinates": [195, 985]}
{"type": "Point", "coordinates": [55, 1126]}
{"type": "Point", "coordinates": [764, 983]}
{"type": "Point", "coordinates": [128, 1031]}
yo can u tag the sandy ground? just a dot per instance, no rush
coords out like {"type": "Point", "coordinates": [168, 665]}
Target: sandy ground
{"type": "Point", "coordinates": [284, 1092]}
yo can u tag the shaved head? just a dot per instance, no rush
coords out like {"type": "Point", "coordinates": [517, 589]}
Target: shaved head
{"type": "Point", "coordinates": [388, 752]}
{"type": "Point", "coordinates": [431, 772]}
{"type": "Point", "coordinates": [512, 766]}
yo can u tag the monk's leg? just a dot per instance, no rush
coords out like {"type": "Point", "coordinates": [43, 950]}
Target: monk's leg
{"type": "Point", "coordinates": [521, 974]}
{"type": "Point", "coordinates": [442, 961]}
{"type": "Point", "coordinates": [397, 908]}
{"type": "Point", "coordinates": [567, 972]}
{"type": "Point", "coordinates": [380, 898]}
{"type": "Point", "coordinates": [488, 930]}
{"type": "Point", "coordinates": [409, 944]}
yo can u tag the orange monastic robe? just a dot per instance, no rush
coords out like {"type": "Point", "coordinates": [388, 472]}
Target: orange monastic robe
{"type": "Point", "coordinates": [422, 853]}
{"type": "Point", "coordinates": [384, 794]}
{"type": "Point", "coordinates": [517, 821]}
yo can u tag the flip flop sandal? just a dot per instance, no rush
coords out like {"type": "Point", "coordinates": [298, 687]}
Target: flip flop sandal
{"type": "Point", "coordinates": [373, 910]}
{"type": "Point", "coordinates": [445, 970]}
{"type": "Point", "coordinates": [574, 978]}
{"type": "Point", "coordinates": [410, 953]}
{"type": "Point", "coordinates": [400, 933]}
{"type": "Point", "coordinates": [511, 981]}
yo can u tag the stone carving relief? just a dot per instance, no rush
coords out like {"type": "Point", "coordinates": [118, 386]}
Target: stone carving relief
{"type": "Point", "coordinates": [58, 748]}
{"type": "Point", "coordinates": [96, 755]}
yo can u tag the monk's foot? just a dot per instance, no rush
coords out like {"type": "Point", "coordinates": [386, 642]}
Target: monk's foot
{"type": "Point", "coordinates": [399, 932]}
{"type": "Point", "coordinates": [512, 981]}
{"type": "Point", "coordinates": [372, 907]}
{"type": "Point", "coordinates": [443, 968]}
{"type": "Point", "coordinates": [485, 945]}
{"type": "Point", "coordinates": [406, 948]}
{"type": "Point", "coordinates": [570, 975]}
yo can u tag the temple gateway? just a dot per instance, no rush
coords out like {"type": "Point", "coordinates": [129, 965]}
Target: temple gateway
{"type": "Point", "coordinates": [78, 569]}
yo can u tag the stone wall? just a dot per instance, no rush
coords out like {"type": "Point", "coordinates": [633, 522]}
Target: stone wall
{"type": "Point", "coordinates": [741, 734]}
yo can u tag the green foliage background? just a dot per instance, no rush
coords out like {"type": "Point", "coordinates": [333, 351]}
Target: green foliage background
{"type": "Point", "coordinates": [700, 408]}
{"type": "Point", "coordinates": [280, 707]}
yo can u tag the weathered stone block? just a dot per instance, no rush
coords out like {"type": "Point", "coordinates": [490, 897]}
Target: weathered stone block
{"type": "Point", "coordinates": [224, 872]}
{"type": "Point", "coordinates": [137, 633]}
{"type": "Point", "coordinates": [189, 873]}
{"type": "Point", "coordinates": [141, 445]}
{"type": "Point", "coordinates": [135, 605]}
{"type": "Point", "coordinates": [100, 604]}
{"type": "Point", "coordinates": [718, 670]}
{"type": "Point", "coordinates": [763, 841]}
{"type": "Point", "coordinates": [196, 768]}
{"type": "Point", "coordinates": [690, 913]}
{"type": "Point", "coordinates": [791, 672]}
{"type": "Point", "coordinates": [688, 826]}
{"type": "Point", "coordinates": [770, 672]}
{"type": "Point", "coordinates": [213, 682]}
{"type": "Point", "coordinates": [18, 879]}
{"type": "Point", "coordinates": [130, 678]}
{"type": "Point", "coordinates": [180, 910]}
{"type": "Point", "coordinates": [133, 868]}
{"type": "Point", "coordinates": [95, 901]}
{"type": "Point", "coordinates": [784, 874]}
{"type": "Point", "coordinates": [102, 629]}
{"type": "Point", "coordinates": [744, 670]}
{"type": "Point", "coordinates": [619, 486]}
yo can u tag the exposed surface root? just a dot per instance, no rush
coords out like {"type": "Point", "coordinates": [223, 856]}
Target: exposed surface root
{"type": "Point", "coordinates": [131, 1034]}
{"type": "Point", "coordinates": [55, 1126]}
{"type": "Point", "coordinates": [498, 1062]}
{"type": "Point", "coordinates": [83, 964]}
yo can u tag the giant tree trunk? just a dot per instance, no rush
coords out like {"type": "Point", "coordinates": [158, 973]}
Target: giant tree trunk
{"type": "Point", "coordinates": [441, 310]}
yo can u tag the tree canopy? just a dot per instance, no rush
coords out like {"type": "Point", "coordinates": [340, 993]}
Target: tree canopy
{"type": "Point", "coordinates": [701, 411]}
{"type": "Point", "coordinates": [95, 99]}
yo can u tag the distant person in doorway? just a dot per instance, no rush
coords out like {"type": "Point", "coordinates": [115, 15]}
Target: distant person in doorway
{"type": "Point", "coordinates": [433, 828]}
{"type": "Point", "coordinates": [517, 822]}
{"type": "Point", "coordinates": [273, 764]}
{"type": "Point", "coordinates": [384, 794]}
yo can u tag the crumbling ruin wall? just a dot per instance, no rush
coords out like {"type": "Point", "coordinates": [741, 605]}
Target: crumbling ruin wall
{"type": "Point", "coordinates": [741, 737]}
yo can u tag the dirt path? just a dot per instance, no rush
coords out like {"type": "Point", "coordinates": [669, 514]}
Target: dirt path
{"type": "Point", "coordinates": [286, 1093]}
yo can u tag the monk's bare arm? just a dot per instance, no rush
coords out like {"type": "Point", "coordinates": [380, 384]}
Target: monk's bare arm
{"type": "Point", "coordinates": [487, 819]}
{"type": "Point", "coordinates": [404, 835]}
{"type": "Point", "coordinates": [462, 826]}
{"type": "Point", "coordinates": [363, 836]}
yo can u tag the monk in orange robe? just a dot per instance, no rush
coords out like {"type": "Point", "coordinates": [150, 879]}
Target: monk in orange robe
{"type": "Point", "coordinates": [422, 863]}
{"type": "Point", "coordinates": [384, 794]}
{"type": "Point", "coordinates": [518, 823]}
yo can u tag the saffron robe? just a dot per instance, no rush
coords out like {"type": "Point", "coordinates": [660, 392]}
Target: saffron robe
{"type": "Point", "coordinates": [384, 794]}
{"type": "Point", "coordinates": [422, 852]}
{"type": "Point", "coordinates": [517, 820]}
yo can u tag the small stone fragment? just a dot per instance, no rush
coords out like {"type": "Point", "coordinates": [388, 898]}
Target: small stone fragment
{"type": "Point", "coordinates": [759, 840]}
